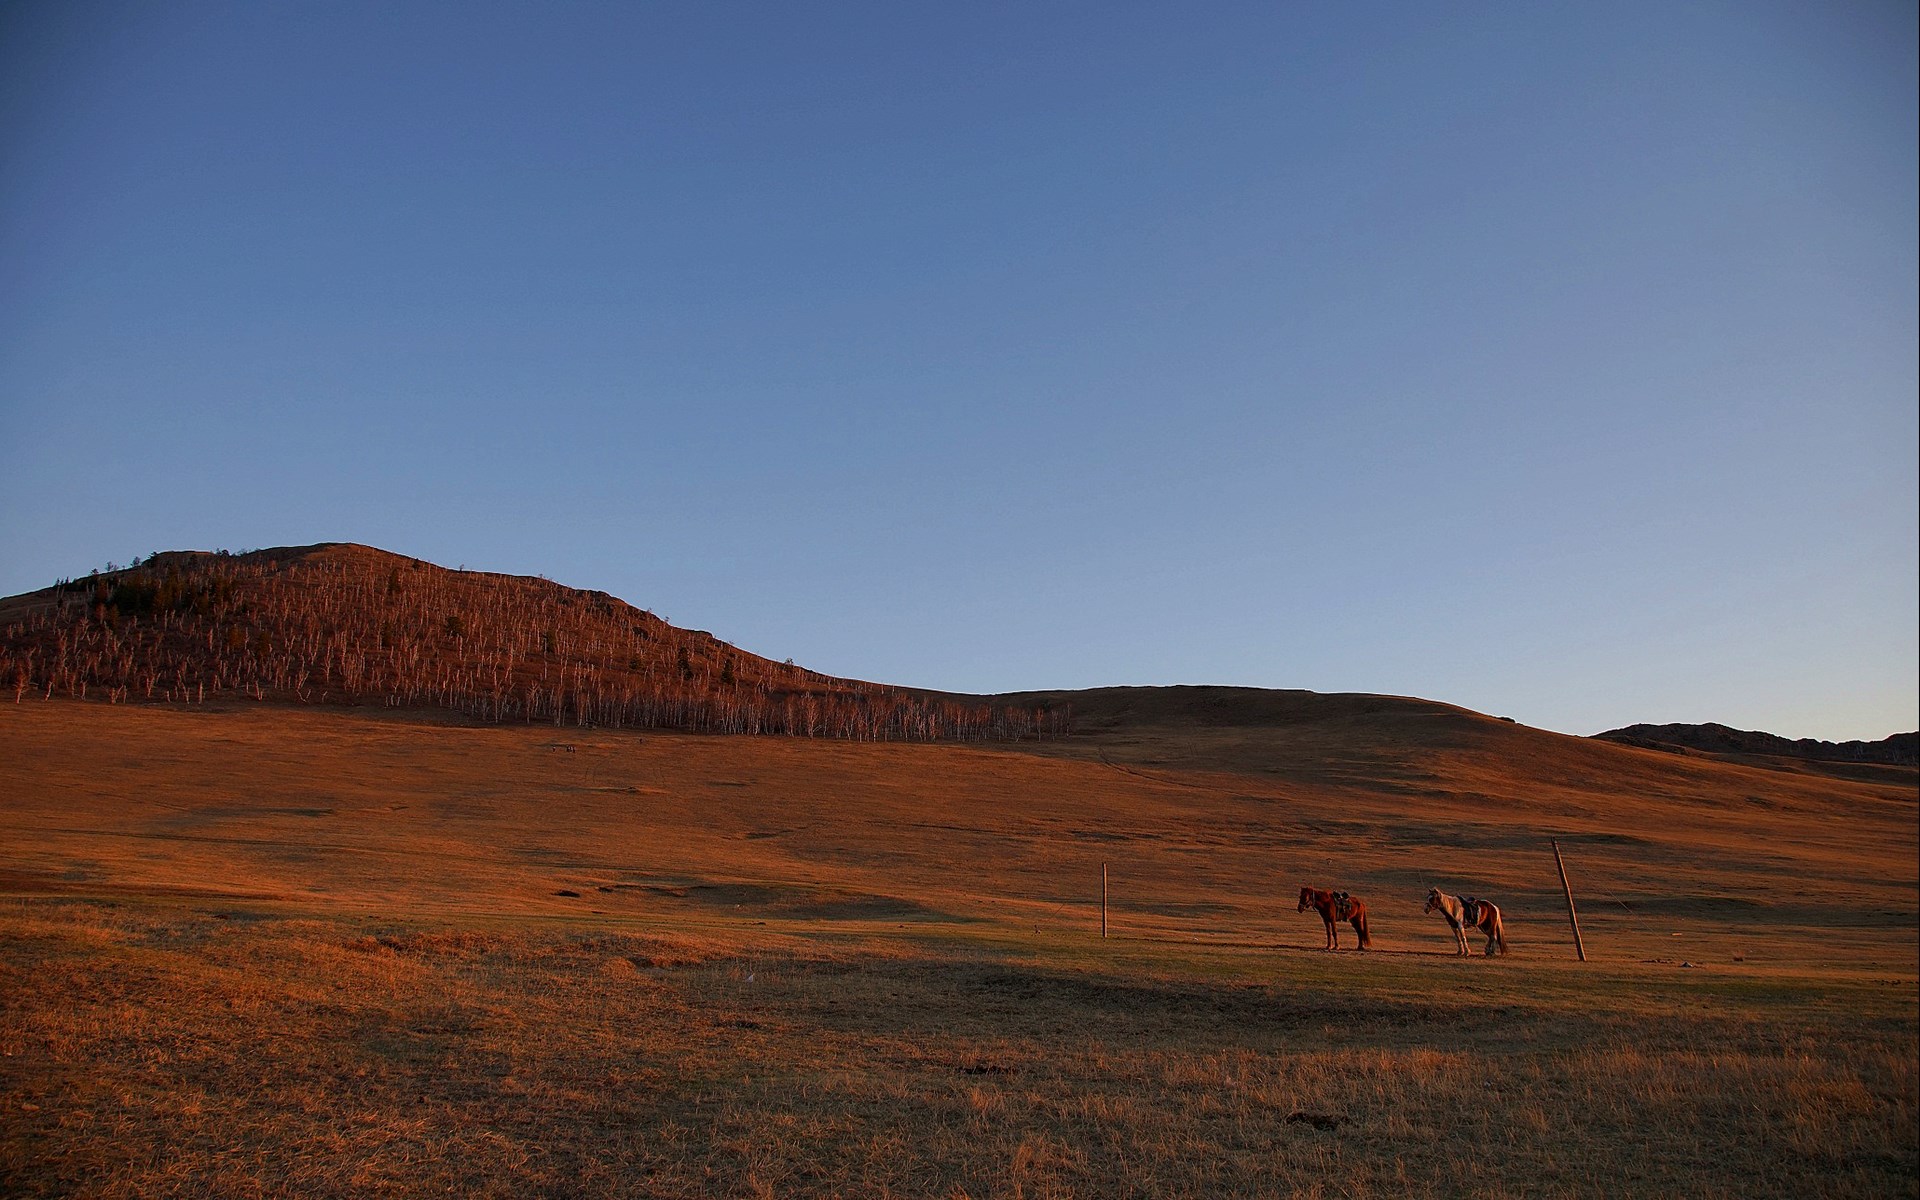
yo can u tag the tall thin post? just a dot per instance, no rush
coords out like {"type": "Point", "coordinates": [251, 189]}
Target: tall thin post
{"type": "Point", "coordinates": [1573, 918]}
{"type": "Point", "coordinates": [1103, 900]}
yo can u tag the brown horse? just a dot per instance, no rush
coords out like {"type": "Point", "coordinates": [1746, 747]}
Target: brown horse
{"type": "Point", "coordinates": [1464, 913]}
{"type": "Point", "coordinates": [1333, 908]}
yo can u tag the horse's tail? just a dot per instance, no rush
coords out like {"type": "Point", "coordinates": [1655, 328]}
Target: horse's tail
{"type": "Point", "coordinates": [1499, 932]}
{"type": "Point", "coordinates": [1360, 927]}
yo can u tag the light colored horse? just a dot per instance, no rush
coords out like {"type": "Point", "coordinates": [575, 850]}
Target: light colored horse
{"type": "Point", "coordinates": [1464, 913]}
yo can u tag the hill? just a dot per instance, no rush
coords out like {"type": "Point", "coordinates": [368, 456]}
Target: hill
{"type": "Point", "coordinates": [1207, 828]}
{"type": "Point", "coordinates": [343, 624]}
{"type": "Point", "coordinates": [283, 950]}
{"type": "Point", "coordinates": [268, 949]}
{"type": "Point", "coordinates": [1902, 749]}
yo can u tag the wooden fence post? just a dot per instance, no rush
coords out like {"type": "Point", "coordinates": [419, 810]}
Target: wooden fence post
{"type": "Point", "coordinates": [1573, 918]}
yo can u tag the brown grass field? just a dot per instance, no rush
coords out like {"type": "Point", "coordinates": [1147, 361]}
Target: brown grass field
{"type": "Point", "coordinates": [264, 951]}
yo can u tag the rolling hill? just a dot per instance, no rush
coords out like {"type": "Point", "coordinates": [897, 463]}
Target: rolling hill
{"type": "Point", "coordinates": [1900, 750]}
{"type": "Point", "coordinates": [348, 625]}
{"type": "Point", "coordinates": [1381, 792]}
{"type": "Point", "coordinates": [404, 902]}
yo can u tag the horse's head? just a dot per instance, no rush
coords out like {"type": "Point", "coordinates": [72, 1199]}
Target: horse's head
{"type": "Point", "coordinates": [1433, 900]}
{"type": "Point", "coordinates": [1306, 899]}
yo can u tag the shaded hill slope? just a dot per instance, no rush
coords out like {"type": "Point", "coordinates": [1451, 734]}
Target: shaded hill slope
{"type": "Point", "coordinates": [342, 624]}
{"type": "Point", "coordinates": [1902, 749]}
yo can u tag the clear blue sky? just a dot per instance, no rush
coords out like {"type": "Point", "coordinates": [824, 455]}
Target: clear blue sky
{"type": "Point", "coordinates": [1554, 360]}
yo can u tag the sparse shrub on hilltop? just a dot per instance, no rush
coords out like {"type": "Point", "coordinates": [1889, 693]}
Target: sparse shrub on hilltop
{"type": "Point", "coordinates": [348, 625]}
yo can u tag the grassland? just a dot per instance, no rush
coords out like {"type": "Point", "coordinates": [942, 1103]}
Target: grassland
{"type": "Point", "coordinates": [266, 952]}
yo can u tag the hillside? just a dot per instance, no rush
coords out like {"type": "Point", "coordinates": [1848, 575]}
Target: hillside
{"type": "Point", "coordinates": [1207, 829]}
{"type": "Point", "coordinates": [1902, 749]}
{"type": "Point", "coordinates": [342, 624]}
{"type": "Point", "coordinates": [257, 949]}
{"type": "Point", "coordinates": [279, 950]}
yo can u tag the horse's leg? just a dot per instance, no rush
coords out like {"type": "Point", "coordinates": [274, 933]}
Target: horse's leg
{"type": "Point", "coordinates": [1460, 938]}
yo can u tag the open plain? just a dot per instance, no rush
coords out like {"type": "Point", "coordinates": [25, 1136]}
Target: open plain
{"type": "Point", "coordinates": [258, 950]}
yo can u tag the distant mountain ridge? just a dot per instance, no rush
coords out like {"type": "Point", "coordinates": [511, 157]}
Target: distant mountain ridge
{"type": "Point", "coordinates": [343, 624]}
{"type": "Point", "coordinates": [1901, 750]}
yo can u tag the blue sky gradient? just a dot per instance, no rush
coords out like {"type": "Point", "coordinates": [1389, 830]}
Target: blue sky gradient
{"type": "Point", "coordinates": [1556, 361]}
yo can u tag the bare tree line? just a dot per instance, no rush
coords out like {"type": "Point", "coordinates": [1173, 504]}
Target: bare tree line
{"type": "Point", "coordinates": [352, 626]}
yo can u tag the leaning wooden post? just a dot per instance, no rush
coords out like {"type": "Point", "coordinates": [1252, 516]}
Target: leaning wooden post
{"type": "Point", "coordinates": [1572, 917]}
{"type": "Point", "coordinates": [1103, 900]}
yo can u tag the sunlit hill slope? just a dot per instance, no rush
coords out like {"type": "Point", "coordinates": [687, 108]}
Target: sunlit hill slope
{"type": "Point", "coordinates": [1208, 801]}
{"type": "Point", "coordinates": [342, 624]}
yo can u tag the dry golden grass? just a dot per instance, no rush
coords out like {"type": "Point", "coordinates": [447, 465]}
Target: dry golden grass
{"type": "Point", "coordinates": [274, 953]}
